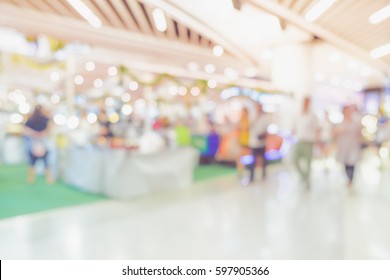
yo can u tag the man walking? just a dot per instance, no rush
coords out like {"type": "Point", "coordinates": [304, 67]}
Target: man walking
{"type": "Point", "coordinates": [307, 133]}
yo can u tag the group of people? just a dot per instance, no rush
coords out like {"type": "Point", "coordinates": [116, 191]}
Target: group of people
{"type": "Point", "coordinates": [346, 135]}
{"type": "Point", "coordinates": [252, 139]}
{"type": "Point", "coordinates": [308, 132]}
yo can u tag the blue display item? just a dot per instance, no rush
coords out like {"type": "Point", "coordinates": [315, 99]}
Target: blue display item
{"type": "Point", "coordinates": [273, 155]}
{"type": "Point", "coordinates": [382, 121]}
{"type": "Point", "coordinates": [289, 141]}
{"type": "Point", "coordinates": [208, 145]}
{"type": "Point", "coordinates": [387, 89]}
{"type": "Point", "coordinates": [213, 142]}
{"type": "Point", "coordinates": [270, 156]}
{"type": "Point", "coordinates": [230, 92]}
{"type": "Point", "coordinates": [247, 160]}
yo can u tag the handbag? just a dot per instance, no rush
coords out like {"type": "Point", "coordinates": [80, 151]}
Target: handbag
{"type": "Point", "coordinates": [38, 148]}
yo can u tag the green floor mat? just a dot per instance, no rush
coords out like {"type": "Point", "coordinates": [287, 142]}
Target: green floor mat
{"type": "Point", "coordinates": [205, 172]}
{"type": "Point", "coordinates": [19, 198]}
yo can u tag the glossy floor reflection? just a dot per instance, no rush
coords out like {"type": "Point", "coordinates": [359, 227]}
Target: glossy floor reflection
{"type": "Point", "coordinates": [220, 219]}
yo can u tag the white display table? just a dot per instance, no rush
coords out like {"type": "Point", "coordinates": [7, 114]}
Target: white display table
{"type": "Point", "coordinates": [124, 174]}
{"type": "Point", "coordinates": [85, 168]}
{"type": "Point", "coordinates": [14, 150]}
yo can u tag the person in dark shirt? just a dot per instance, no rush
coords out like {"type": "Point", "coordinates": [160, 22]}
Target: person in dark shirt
{"type": "Point", "coordinates": [105, 125]}
{"type": "Point", "coordinates": [36, 131]}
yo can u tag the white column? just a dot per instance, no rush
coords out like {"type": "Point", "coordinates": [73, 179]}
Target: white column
{"type": "Point", "coordinates": [291, 69]}
{"type": "Point", "coordinates": [292, 72]}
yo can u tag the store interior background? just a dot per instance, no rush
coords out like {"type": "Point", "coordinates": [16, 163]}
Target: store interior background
{"type": "Point", "coordinates": [168, 68]}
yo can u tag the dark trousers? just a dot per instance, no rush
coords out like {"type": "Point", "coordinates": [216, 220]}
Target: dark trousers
{"type": "Point", "coordinates": [349, 170]}
{"type": "Point", "coordinates": [32, 159]}
{"type": "Point", "coordinates": [257, 152]}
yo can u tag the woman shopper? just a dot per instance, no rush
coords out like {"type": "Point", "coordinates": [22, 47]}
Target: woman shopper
{"type": "Point", "coordinates": [348, 142]}
{"type": "Point", "coordinates": [243, 140]}
{"type": "Point", "coordinates": [326, 140]}
{"type": "Point", "coordinates": [37, 131]}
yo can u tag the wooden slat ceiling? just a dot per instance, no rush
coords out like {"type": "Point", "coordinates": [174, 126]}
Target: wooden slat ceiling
{"type": "Point", "coordinates": [130, 15]}
{"type": "Point", "coordinates": [349, 20]}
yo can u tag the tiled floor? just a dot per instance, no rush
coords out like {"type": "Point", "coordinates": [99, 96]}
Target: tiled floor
{"type": "Point", "coordinates": [220, 219]}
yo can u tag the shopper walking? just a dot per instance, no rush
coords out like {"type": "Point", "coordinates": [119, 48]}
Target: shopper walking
{"type": "Point", "coordinates": [243, 140]}
{"type": "Point", "coordinates": [348, 142]}
{"type": "Point", "coordinates": [307, 133]}
{"type": "Point", "coordinates": [257, 142]}
{"type": "Point", "coordinates": [37, 132]}
{"type": "Point", "coordinates": [326, 140]}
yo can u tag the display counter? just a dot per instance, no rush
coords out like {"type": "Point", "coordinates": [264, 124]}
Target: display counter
{"type": "Point", "coordinates": [13, 150]}
{"type": "Point", "coordinates": [122, 174]}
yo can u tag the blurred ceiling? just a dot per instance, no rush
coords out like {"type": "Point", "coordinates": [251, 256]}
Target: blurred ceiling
{"type": "Point", "coordinates": [195, 27]}
{"type": "Point", "coordinates": [130, 15]}
{"type": "Point", "coordinates": [349, 19]}
{"type": "Point", "coordinates": [133, 16]}
{"type": "Point", "coordinates": [345, 24]}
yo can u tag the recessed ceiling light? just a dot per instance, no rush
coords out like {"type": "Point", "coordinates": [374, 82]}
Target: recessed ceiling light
{"type": "Point", "coordinates": [98, 83]}
{"type": "Point", "coordinates": [79, 80]}
{"type": "Point", "coordinates": [24, 108]}
{"type": "Point", "coordinates": [182, 91]}
{"type": "Point", "coordinates": [159, 20]}
{"type": "Point", "coordinates": [380, 15]}
{"type": "Point", "coordinates": [112, 71]}
{"type": "Point", "coordinates": [91, 117]}
{"type": "Point", "coordinates": [126, 109]}
{"type": "Point", "coordinates": [73, 122]}
{"type": "Point", "coordinates": [212, 83]}
{"type": "Point", "coordinates": [90, 66]}
{"type": "Point", "coordinates": [381, 51]}
{"type": "Point", "coordinates": [59, 119]}
{"type": "Point", "coordinates": [218, 50]}
{"type": "Point", "coordinates": [209, 68]}
{"type": "Point", "coordinates": [55, 98]}
{"type": "Point", "coordinates": [195, 91]}
{"type": "Point", "coordinates": [109, 101]}
{"type": "Point", "coordinates": [86, 13]}
{"type": "Point", "coordinates": [133, 85]}
{"type": "Point", "coordinates": [318, 9]}
{"type": "Point", "coordinates": [126, 97]}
